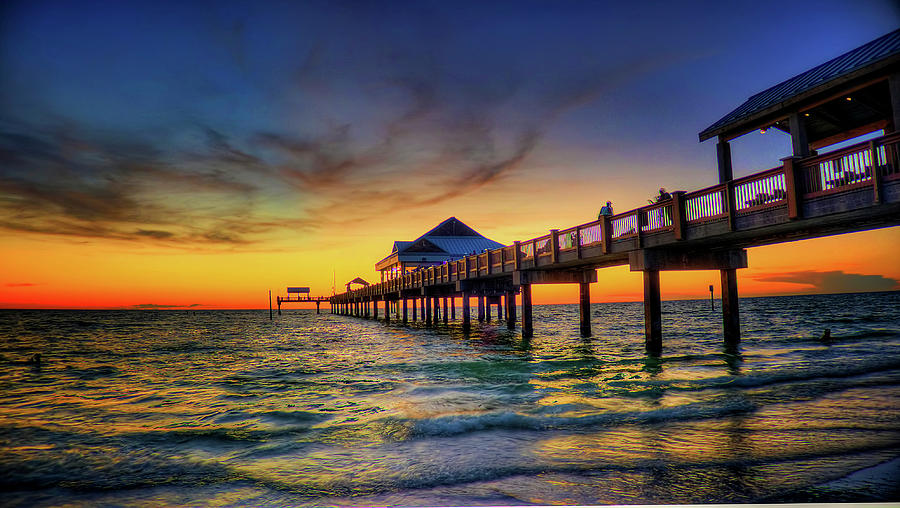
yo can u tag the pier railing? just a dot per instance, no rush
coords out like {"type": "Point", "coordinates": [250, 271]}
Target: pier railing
{"type": "Point", "coordinates": [793, 185]}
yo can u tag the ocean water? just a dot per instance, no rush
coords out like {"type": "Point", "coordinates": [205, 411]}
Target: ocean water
{"type": "Point", "coordinates": [227, 408]}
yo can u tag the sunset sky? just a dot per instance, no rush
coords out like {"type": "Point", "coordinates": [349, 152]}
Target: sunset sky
{"type": "Point", "coordinates": [198, 154]}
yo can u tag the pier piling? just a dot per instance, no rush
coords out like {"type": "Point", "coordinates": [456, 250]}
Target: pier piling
{"type": "Point", "coordinates": [527, 330]}
{"type": "Point", "coordinates": [731, 322]}
{"type": "Point", "coordinates": [511, 310]}
{"type": "Point", "coordinates": [466, 312]}
{"type": "Point", "coordinates": [652, 312]}
{"type": "Point", "coordinates": [584, 308]}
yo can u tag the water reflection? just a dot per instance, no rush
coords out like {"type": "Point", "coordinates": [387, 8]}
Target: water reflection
{"type": "Point", "coordinates": [733, 359]}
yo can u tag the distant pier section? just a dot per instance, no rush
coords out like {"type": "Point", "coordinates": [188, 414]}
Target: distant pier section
{"type": "Point", "coordinates": [302, 296]}
{"type": "Point", "coordinates": [808, 195]}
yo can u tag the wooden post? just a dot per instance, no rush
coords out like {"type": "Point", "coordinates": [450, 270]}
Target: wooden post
{"type": "Point", "coordinates": [791, 188]}
{"type": "Point", "coordinates": [799, 140]}
{"type": "Point", "coordinates": [517, 256]}
{"type": "Point", "coordinates": [487, 309]}
{"type": "Point", "coordinates": [606, 232]}
{"type": "Point", "coordinates": [678, 216]}
{"type": "Point", "coordinates": [652, 312]}
{"type": "Point", "coordinates": [723, 157]}
{"type": "Point", "coordinates": [730, 309]}
{"type": "Point", "coordinates": [894, 90]}
{"type": "Point", "coordinates": [584, 307]}
{"type": "Point", "coordinates": [405, 312]}
{"type": "Point", "coordinates": [375, 309]}
{"type": "Point", "coordinates": [436, 307]}
{"type": "Point", "coordinates": [511, 310]}
{"type": "Point", "coordinates": [876, 173]}
{"type": "Point", "coordinates": [422, 305]}
{"type": "Point", "coordinates": [466, 311]}
{"type": "Point", "coordinates": [577, 243]}
{"type": "Point", "coordinates": [554, 246]}
{"type": "Point", "coordinates": [446, 316]}
{"type": "Point", "coordinates": [453, 308]}
{"type": "Point", "coordinates": [317, 307]}
{"type": "Point", "coordinates": [499, 308]}
{"type": "Point", "coordinates": [387, 310]}
{"type": "Point", "coordinates": [414, 306]}
{"type": "Point", "coordinates": [480, 308]}
{"type": "Point", "coordinates": [527, 330]}
{"type": "Point", "coordinates": [427, 311]}
{"type": "Point", "coordinates": [729, 203]}
{"type": "Point", "coordinates": [642, 217]}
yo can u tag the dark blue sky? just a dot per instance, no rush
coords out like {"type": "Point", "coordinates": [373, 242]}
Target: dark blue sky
{"type": "Point", "coordinates": [200, 122]}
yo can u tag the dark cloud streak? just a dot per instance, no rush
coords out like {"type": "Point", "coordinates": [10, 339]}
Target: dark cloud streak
{"type": "Point", "coordinates": [836, 281]}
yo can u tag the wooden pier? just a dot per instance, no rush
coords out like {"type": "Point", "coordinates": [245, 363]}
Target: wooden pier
{"type": "Point", "coordinates": [299, 291]}
{"type": "Point", "coordinates": [807, 195]}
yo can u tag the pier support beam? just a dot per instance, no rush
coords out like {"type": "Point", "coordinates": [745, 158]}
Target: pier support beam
{"type": "Point", "coordinates": [466, 311]}
{"type": "Point", "coordinates": [723, 156]}
{"type": "Point", "coordinates": [480, 308]}
{"type": "Point", "coordinates": [437, 311]}
{"type": "Point", "coordinates": [375, 309]}
{"type": "Point", "coordinates": [527, 330]}
{"type": "Point", "coordinates": [651, 262]}
{"type": "Point", "coordinates": [426, 311]}
{"type": "Point", "coordinates": [405, 312]}
{"type": "Point", "coordinates": [487, 309]}
{"type": "Point", "coordinates": [511, 310]}
{"type": "Point", "coordinates": [584, 308]}
{"type": "Point", "coordinates": [652, 312]}
{"type": "Point", "coordinates": [387, 310]}
{"type": "Point", "coordinates": [415, 305]}
{"type": "Point", "coordinates": [445, 316]}
{"type": "Point", "coordinates": [731, 320]}
{"type": "Point", "coordinates": [453, 308]}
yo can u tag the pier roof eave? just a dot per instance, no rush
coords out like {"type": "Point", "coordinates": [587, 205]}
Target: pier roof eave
{"type": "Point", "coordinates": [863, 71]}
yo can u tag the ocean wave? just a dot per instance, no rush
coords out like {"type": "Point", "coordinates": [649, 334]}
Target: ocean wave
{"type": "Point", "coordinates": [451, 425]}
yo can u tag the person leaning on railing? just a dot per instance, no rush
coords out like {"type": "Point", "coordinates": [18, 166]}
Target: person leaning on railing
{"type": "Point", "coordinates": [605, 210]}
{"type": "Point", "coordinates": [663, 196]}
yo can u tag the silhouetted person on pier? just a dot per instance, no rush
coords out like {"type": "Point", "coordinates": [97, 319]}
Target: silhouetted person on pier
{"type": "Point", "coordinates": [663, 195]}
{"type": "Point", "coordinates": [605, 210]}
{"type": "Point", "coordinates": [664, 211]}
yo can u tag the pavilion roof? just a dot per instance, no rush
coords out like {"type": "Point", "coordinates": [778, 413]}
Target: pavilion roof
{"type": "Point", "coordinates": [852, 67]}
{"type": "Point", "coordinates": [449, 240]}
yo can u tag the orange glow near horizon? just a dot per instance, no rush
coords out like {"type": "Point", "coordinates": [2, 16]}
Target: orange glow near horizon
{"type": "Point", "coordinates": [48, 273]}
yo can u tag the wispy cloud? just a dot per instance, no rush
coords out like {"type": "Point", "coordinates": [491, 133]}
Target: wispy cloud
{"type": "Point", "coordinates": [313, 142]}
{"type": "Point", "coordinates": [836, 281]}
